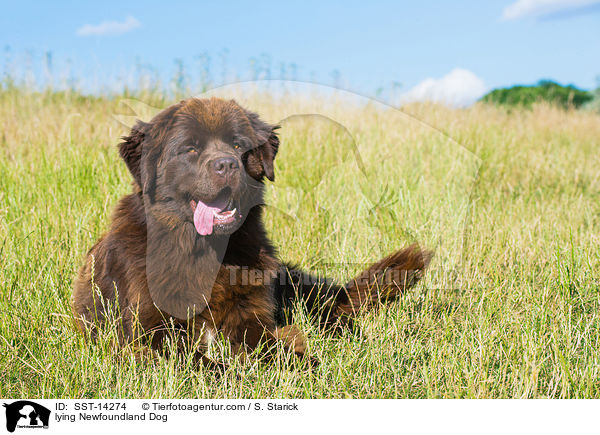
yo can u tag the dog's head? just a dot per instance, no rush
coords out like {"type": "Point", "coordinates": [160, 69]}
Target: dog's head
{"type": "Point", "coordinates": [202, 162]}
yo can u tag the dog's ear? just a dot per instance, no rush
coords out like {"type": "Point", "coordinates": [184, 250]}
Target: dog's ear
{"type": "Point", "coordinates": [268, 151]}
{"type": "Point", "coordinates": [142, 148]}
{"type": "Point", "coordinates": [131, 149]}
{"type": "Point", "coordinates": [268, 145]}
{"type": "Point", "coordinates": [140, 157]}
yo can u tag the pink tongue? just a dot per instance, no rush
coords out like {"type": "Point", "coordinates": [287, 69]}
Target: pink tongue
{"type": "Point", "coordinates": [204, 216]}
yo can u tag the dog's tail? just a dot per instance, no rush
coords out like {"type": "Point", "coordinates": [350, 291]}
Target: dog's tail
{"type": "Point", "coordinates": [333, 304]}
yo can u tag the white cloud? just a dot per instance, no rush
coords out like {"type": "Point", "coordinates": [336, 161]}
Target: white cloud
{"type": "Point", "coordinates": [527, 8]}
{"type": "Point", "coordinates": [458, 88]}
{"type": "Point", "coordinates": [109, 27]}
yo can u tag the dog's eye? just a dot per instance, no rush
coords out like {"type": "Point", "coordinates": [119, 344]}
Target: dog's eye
{"type": "Point", "coordinates": [191, 150]}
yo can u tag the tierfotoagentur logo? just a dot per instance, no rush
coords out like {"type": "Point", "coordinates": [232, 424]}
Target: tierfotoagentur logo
{"type": "Point", "coordinates": [25, 414]}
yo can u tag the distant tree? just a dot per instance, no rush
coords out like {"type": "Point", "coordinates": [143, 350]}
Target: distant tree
{"type": "Point", "coordinates": [595, 103]}
{"type": "Point", "coordinates": [545, 90]}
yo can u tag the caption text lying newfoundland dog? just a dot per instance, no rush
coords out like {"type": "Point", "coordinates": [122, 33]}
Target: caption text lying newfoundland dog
{"type": "Point", "coordinates": [187, 250]}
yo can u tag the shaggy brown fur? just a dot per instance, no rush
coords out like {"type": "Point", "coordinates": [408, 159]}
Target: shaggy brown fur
{"type": "Point", "coordinates": [153, 265]}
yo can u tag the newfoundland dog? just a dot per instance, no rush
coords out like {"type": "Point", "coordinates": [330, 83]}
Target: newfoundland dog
{"type": "Point", "coordinates": [187, 251]}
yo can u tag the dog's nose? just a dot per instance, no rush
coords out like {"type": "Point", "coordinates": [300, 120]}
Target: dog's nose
{"type": "Point", "coordinates": [224, 166]}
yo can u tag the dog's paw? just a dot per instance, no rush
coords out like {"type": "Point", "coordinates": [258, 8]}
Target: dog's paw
{"type": "Point", "coordinates": [293, 338]}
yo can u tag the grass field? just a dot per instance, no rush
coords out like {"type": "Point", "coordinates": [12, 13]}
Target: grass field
{"type": "Point", "coordinates": [510, 201]}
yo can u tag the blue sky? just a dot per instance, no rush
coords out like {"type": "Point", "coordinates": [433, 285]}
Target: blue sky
{"type": "Point", "coordinates": [471, 45]}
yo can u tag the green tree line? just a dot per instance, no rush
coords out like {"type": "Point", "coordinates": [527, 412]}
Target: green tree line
{"type": "Point", "coordinates": [545, 90]}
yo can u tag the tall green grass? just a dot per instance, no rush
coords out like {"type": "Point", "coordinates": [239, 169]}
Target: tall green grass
{"type": "Point", "coordinates": [510, 200]}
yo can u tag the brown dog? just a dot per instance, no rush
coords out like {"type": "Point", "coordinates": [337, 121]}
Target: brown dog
{"type": "Point", "coordinates": [188, 248]}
